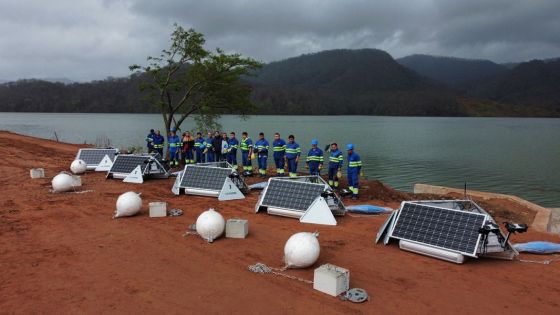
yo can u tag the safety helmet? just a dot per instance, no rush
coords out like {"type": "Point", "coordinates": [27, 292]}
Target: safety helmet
{"type": "Point", "coordinates": [314, 142]}
{"type": "Point", "coordinates": [349, 147]}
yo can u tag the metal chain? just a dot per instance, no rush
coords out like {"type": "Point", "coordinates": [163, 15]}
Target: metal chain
{"type": "Point", "coordinates": [262, 268]}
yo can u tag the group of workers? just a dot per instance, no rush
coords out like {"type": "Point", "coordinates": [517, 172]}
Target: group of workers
{"type": "Point", "coordinates": [219, 147]}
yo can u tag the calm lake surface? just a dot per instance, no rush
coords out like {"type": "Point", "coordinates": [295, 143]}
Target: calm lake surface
{"type": "Point", "coordinates": [519, 156]}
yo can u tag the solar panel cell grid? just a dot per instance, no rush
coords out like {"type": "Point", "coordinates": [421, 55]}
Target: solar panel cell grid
{"type": "Point", "coordinates": [211, 178]}
{"type": "Point", "coordinates": [291, 194]}
{"type": "Point", "coordinates": [448, 229]}
{"type": "Point", "coordinates": [127, 163]}
{"type": "Point", "coordinates": [94, 156]}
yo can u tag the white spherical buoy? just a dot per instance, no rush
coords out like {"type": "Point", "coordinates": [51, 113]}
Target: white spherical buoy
{"type": "Point", "coordinates": [128, 204]}
{"type": "Point", "coordinates": [62, 182]}
{"type": "Point", "coordinates": [301, 250]}
{"type": "Point", "coordinates": [78, 167]}
{"type": "Point", "coordinates": [210, 225]}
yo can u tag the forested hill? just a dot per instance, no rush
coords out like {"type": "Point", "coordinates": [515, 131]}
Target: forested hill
{"type": "Point", "coordinates": [457, 73]}
{"type": "Point", "coordinates": [366, 81]}
{"type": "Point", "coordinates": [343, 82]}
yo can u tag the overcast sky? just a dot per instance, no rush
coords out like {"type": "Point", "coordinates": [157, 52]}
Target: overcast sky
{"type": "Point", "coordinates": [93, 39]}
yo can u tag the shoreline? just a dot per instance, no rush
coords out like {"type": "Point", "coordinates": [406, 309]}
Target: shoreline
{"type": "Point", "coordinates": [63, 253]}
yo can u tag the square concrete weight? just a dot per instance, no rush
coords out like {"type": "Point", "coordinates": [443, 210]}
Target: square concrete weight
{"type": "Point", "coordinates": [237, 228]}
{"type": "Point", "coordinates": [158, 209]}
{"type": "Point", "coordinates": [331, 279]}
{"type": "Point", "coordinates": [37, 173]}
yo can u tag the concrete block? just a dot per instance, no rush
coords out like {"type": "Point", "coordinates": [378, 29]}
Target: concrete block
{"type": "Point", "coordinates": [158, 209]}
{"type": "Point", "coordinates": [77, 181]}
{"type": "Point", "coordinates": [237, 228]}
{"type": "Point", "coordinates": [331, 279]}
{"type": "Point", "coordinates": [37, 173]}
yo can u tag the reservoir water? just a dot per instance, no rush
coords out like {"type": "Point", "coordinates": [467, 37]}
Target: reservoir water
{"type": "Point", "coordinates": [519, 156]}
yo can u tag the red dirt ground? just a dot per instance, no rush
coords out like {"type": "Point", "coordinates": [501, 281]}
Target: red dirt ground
{"type": "Point", "coordinates": [63, 253]}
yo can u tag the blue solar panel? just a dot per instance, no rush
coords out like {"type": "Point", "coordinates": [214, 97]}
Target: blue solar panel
{"type": "Point", "coordinates": [453, 230]}
{"type": "Point", "coordinates": [204, 177]}
{"type": "Point", "coordinates": [288, 194]}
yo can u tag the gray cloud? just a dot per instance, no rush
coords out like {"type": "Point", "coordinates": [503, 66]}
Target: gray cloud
{"type": "Point", "coordinates": [84, 40]}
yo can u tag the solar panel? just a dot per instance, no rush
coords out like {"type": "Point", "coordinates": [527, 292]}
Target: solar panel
{"type": "Point", "coordinates": [294, 195]}
{"type": "Point", "coordinates": [93, 157]}
{"type": "Point", "coordinates": [448, 229]}
{"type": "Point", "coordinates": [125, 164]}
{"type": "Point", "coordinates": [204, 177]}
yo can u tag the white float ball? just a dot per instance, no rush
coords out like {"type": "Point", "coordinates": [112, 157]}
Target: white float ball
{"type": "Point", "coordinates": [301, 250]}
{"type": "Point", "coordinates": [210, 225]}
{"type": "Point", "coordinates": [62, 182]}
{"type": "Point", "coordinates": [128, 204]}
{"type": "Point", "coordinates": [78, 167]}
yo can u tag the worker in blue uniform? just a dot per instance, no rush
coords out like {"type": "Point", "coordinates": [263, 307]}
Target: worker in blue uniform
{"type": "Point", "coordinates": [354, 171]}
{"type": "Point", "coordinates": [199, 147]}
{"type": "Point", "coordinates": [150, 141]}
{"type": "Point", "coordinates": [246, 146]}
{"type": "Point", "coordinates": [209, 151]}
{"type": "Point", "coordinates": [315, 159]}
{"type": "Point", "coordinates": [262, 146]}
{"type": "Point", "coordinates": [159, 142]}
{"type": "Point", "coordinates": [293, 152]}
{"type": "Point", "coordinates": [232, 146]}
{"type": "Point", "coordinates": [336, 161]}
{"type": "Point", "coordinates": [279, 154]}
{"type": "Point", "coordinates": [175, 145]}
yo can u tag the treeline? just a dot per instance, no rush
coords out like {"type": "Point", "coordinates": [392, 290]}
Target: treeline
{"type": "Point", "coordinates": [336, 82]}
{"type": "Point", "coordinates": [113, 95]}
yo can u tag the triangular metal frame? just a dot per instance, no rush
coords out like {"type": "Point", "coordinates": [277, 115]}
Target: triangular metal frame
{"type": "Point", "coordinates": [230, 191]}
{"type": "Point", "coordinates": [135, 177]}
{"type": "Point", "coordinates": [176, 185]}
{"type": "Point", "coordinates": [318, 213]}
{"type": "Point", "coordinates": [105, 164]}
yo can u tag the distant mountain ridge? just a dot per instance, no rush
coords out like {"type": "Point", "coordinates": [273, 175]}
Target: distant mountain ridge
{"type": "Point", "coordinates": [338, 82]}
{"type": "Point", "coordinates": [457, 73]}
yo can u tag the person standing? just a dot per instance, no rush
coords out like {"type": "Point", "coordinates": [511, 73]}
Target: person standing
{"type": "Point", "coordinates": [293, 152]}
{"type": "Point", "coordinates": [354, 170]}
{"type": "Point", "coordinates": [233, 145]}
{"type": "Point", "coordinates": [150, 141]}
{"type": "Point", "coordinates": [262, 147]}
{"type": "Point", "coordinates": [279, 153]}
{"type": "Point", "coordinates": [217, 145]}
{"type": "Point", "coordinates": [199, 147]}
{"type": "Point", "coordinates": [209, 151]}
{"type": "Point", "coordinates": [246, 152]}
{"type": "Point", "coordinates": [188, 148]}
{"type": "Point", "coordinates": [174, 148]}
{"type": "Point", "coordinates": [159, 143]}
{"type": "Point", "coordinates": [224, 147]}
{"type": "Point", "coordinates": [336, 160]}
{"type": "Point", "coordinates": [315, 159]}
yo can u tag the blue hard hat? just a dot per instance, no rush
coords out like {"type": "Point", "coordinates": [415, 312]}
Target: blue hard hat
{"type": "Point", "coordinates": [314, 142]}
{"type": "Point", "coordinates": [349, 147]}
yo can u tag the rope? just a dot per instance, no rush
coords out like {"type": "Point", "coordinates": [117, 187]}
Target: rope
{"type": "Point", "coordinates": [71, 192]}
{"type": "Point", "coordinates": [364, 215]}
{"type": "Point", "coordinates": [262, 268]}
{"type": "Point", "coordinates": [542, 262]}
{"type": "Point", "coordinates": [189, 233]}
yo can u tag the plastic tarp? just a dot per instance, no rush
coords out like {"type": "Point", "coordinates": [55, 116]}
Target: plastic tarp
{"type": "Point", "coordinates": [538, 247]}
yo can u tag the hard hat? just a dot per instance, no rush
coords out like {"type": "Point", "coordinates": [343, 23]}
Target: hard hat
{"type": "Point", "coordinates": [314, 142]}
{"type": "Point", "coordinates": [349, 147]}
{"type": "Point", "coordinates": [173, 129]}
